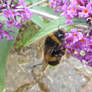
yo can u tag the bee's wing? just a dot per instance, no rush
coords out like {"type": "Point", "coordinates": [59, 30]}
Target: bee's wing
{"type": "Point", "coordinates": [49, 51]}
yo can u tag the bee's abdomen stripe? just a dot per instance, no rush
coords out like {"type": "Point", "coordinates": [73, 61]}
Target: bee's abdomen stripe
{"type": "Point", "coordinates": [53, 63]}
{"type": "Point", "coordinates": [48, 58]}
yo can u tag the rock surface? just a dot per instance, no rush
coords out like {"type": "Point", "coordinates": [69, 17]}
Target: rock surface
{"type": "Point", "coordinates": [63, 78]}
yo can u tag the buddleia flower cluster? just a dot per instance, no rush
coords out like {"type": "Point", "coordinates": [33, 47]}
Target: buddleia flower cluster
{"type": "Point", "coordinates": [78, 43]}
{"type": "Point", "coordinates": [72, 8]}
{"type": "Point", "coordinates": [15, 13]}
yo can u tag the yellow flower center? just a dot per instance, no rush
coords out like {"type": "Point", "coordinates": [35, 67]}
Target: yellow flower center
{"type": "Point", "coordinates": [73, 9]}
{"type": "Point", "coordinates": [75, 52]}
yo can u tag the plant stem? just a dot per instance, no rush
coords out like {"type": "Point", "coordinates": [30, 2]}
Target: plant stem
{"type": "Point", "coordinates": [37, 3]}
{"type": "Point", "coordinates": [43, 14]}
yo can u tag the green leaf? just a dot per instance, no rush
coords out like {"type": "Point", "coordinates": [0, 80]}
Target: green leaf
{"type": "Point", "coordinates": [48, 28]}
{"type": "Point", "coordinates": [38, 20]}
{"type": "Point", "coordinates": [2, 19]}
{"type": "Point", "coordinates": [46, 10]}
{"type": "Point", "coordinates": [28, 1]}
{"type": "Point", "coordinates": [5, 47]}
{"type": "Point", "coordinates": [34, 1]}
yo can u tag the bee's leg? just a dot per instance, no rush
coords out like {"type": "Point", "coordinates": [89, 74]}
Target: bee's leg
{"type": "Point", "coordinates": [25, 87]}
{"type": "Point", "coordinates": [44, 67]}
{"type": "Point", "coordinates": [41, 84]}
{"type": "Point", "coordinates": [36, 65]}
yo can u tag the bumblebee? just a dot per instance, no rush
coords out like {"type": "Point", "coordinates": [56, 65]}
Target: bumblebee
{"type": "Point", "coordinates": [53, 48]}
{"type": "Point", "coordinates": [89, 21]}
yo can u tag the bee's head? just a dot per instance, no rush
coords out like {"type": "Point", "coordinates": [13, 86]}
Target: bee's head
{"type": "Point", "coordinates": [89, 21]}
{"type": "Point", "coordinates": [60, 35]}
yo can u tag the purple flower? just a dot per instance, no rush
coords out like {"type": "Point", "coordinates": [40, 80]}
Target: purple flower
{"type": "Point", "coordinates": [8, 35]}
{"type": "Point", "coordinates": [79, 45]}
{"type": "Point", "coordinates": [24, 18]}
{"type": "Point", "coordinates": [18, 25]}
{"type": "Point", "coordinates": [28, 12]}
{"type": "Point", "coordinates": [53, 4]}
{"type": "Point", "coordinates": [10, 23]}
{"type": "Point", "coordinates": [22, 3]}
{"type": "Point", "coordinates": [84, 12]}
{"type": "Point", "coordinates": [69, 21]}
{"type": "Point", "coordinates": [72, 9]}
{"type": "Point", "coordinates": [7, 13]}
{"type": "Point", "coordinates": [80, 2]}
{"type": "Point", "coordinates": [88, 58]}
{"type": "Point", "coordinates": [12, 14]}
{"type": "Point", "coordinates": [16, 13]}
{"type": "Point", "coordinates": [1, 26]}
{"type": "Point", "coordinates": [1, 35]}
{"type": "Point", "coordinates": [74, 36]}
